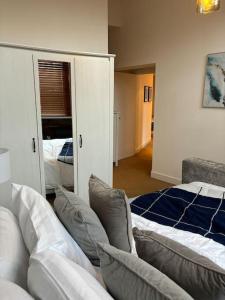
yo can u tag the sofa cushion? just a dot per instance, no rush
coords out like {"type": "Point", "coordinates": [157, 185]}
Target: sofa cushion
{"type": "Point", "coordinates": [54, 277]}
{"type": "Point", "coordinates": [81, 221]}
{"type": "Point", "coordinates": [128, 277]}
{"type": "Point", "coordinates": [11, 291]}
{"type": "Point", "coordinates": [198, 275]}
{"type": "Point", "coordinates": [14, 258]}
{"type": "Point", "coordinates": [112, 208]}
{"type": "Point", "coordinates": [41, 228]}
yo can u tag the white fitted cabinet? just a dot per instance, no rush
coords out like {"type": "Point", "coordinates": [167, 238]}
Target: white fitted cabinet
{"type": "Point", "coordinates": [18, 119]}
{"type": "Point", "coordinates": [93, 115]}
{"type": "Point", "coordinates": [92, 109]}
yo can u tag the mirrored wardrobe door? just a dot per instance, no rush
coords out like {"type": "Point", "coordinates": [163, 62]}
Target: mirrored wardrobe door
{"type": "Point", "coordinates": [57, 121]}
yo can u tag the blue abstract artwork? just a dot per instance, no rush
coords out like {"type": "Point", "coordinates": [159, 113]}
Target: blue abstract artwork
{"type": "Point", "coordinates": [214, 90]}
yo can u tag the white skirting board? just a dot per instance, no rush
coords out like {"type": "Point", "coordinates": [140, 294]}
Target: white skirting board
{"type": "Point", "coordinates": [166, 178]}
{"type": "Point", "coordinates": [139, 148]}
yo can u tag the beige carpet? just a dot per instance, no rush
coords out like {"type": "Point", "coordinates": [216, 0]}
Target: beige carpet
{"type": "Point", "coordinates": [133, 174]}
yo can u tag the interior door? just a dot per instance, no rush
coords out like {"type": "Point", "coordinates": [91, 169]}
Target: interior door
{"type": "Point", "coordinates": [92, 76]}
{"type": "Point", "coordinates": [18, 122]}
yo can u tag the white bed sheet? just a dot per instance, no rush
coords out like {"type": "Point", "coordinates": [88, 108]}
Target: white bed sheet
{"type": "Point", "coordinates": [202, 245]}
{"type": "Point", "coordinates": [56, 172]}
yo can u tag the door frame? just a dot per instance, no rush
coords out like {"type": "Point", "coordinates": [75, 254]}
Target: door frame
{"type": "Point", "coordinates": [111, 116]}
{"type": "Point", "coordinates": [64, 58]}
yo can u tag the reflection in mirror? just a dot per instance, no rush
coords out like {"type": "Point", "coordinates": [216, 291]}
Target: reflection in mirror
{"type": "Point", "coordinates": [56, 114]}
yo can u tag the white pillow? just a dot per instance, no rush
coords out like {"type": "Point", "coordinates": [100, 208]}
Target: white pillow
{"type": "Point", "coordinates": [14, 258]}
{"type": "Point", "coordinates": [11, 291]}
{"type": "Point", "coordinates": [54, 277]}
{"type": "Point", "coordinates": [41, 228]}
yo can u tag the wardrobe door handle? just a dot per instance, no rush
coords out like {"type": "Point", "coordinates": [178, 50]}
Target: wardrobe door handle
{"type": "Point", "coordinates": [34, 145]}
{"type": "Point", "coordinates": [81, 141]}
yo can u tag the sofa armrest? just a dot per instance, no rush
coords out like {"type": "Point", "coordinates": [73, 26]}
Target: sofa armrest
{"type": "Point", "coordinates": [196, 169]}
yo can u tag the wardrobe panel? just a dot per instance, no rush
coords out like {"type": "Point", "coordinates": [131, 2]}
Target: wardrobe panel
{"type": "Point", "coordinates": [56, 130]}
{"type": "Point", "coordinates": [94, 113]}
{"type": "Point", "coordinates": [18, 120]}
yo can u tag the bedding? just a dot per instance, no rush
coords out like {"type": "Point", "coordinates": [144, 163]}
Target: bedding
{"type": "Point", "coordinates": [196, 274]}
{"type": "Point", "coordinates": [66, 154]}
{"type": "Point", "coordinates": [41, 229]}
{"type": "Point", "coordinates": [112, 208]}
{"type": "Point", "coordinates": [14, 258]}
{"type": "Point", "coordinates": [52, 276]}
{"type": "Point", "coordinates": [128, 277]}
{"type": "Point", "coordinates": [182, 219]}
{"type": "Point", "coordinates": [81, 222]}
{"type": "Point", "coordinates": [56, 172]}
{"type": "Point", "coordinates": [12, 291]}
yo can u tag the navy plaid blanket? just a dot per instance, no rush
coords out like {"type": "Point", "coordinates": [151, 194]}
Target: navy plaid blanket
{"type": "Point", "coordinates": [184, 210]}
{"type": "Point", "coordinates": [66, 154]}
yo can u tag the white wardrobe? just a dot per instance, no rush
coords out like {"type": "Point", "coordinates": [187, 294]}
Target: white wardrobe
{"type": "Point", "coordinates": [92, 85]}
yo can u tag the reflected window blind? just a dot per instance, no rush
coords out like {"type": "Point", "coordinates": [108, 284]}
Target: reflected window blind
{"type": "Point", "coordinates": [54, 78]}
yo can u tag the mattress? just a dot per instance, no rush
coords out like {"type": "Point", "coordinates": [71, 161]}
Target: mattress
{"type": "Point", "coordinates": [56, 172]}
{"type": "Point", "coordinates": [198, 243]}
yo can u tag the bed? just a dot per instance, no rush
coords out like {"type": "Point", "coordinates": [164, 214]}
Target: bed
{"type": "Point", "coordinates": [192, 213]}
{"type": "Point", "coordinates": [56, 172]}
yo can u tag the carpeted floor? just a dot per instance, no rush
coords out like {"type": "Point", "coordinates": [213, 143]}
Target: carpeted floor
{"type": "Point", "coordinates": [133, 175]}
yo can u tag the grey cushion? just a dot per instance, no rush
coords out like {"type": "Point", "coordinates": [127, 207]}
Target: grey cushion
{"type": "Point", "coordinates": [128, 277]}
{"type": "Point", "coordinates": [111, 206]}
{"type": "Point", "coordinates": [198, 275]}
{"type": "Point", "coordinates": [81, 222]}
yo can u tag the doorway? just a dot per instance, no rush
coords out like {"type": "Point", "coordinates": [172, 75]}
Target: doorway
{"type": "Point", "coordinates": [134, 131]}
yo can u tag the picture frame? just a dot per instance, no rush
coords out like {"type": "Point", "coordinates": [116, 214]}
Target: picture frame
{"type": "Point", "coordinates": [214, 87]}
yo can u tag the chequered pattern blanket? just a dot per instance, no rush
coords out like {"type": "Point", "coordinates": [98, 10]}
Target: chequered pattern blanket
{"type": "Point", "coordinates": [66, 154]}
{"type": "Point", "coordinates": [184, 210]}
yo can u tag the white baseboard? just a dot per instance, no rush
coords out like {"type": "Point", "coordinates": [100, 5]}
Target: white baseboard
{"type": "Point", "coordinates": [139, 148]}
{"type": "Point", "coordinates": [127, 155]}
{"type": "Point", "coordinates": [166, 178]}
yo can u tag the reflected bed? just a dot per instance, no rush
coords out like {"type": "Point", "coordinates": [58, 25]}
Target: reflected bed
{"type": "Point", "coordinates": [56, 172]}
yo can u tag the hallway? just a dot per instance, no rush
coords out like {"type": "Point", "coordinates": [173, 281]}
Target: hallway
{"type": "Point", "coordinates": [133, 174]}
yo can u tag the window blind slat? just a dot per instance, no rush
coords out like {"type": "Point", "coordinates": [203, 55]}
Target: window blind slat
{"type": "Point", "coordinates": [54, 78]}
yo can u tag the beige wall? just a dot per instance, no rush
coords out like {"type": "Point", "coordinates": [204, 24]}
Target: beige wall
{"type": "Point", "coordinates": [115, 12]}
{"type": "Point", "coordinates": [78, 25]}
{"type": "Point", "coordinates": [172, 35]}
{"type": "Point", "coordinates": [135, 115]}
{"type": "Point", "coordinates": [143, 113]}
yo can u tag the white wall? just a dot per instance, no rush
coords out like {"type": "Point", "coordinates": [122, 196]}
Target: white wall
{"type": "Point", "coordinates": [78, 25]}
{"type": "Point", "coordinates": [125, 104]}
{"type": "Point", "coordinates": [135, 114]}
{"type": "Point", "coordinates": [172, 35]}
